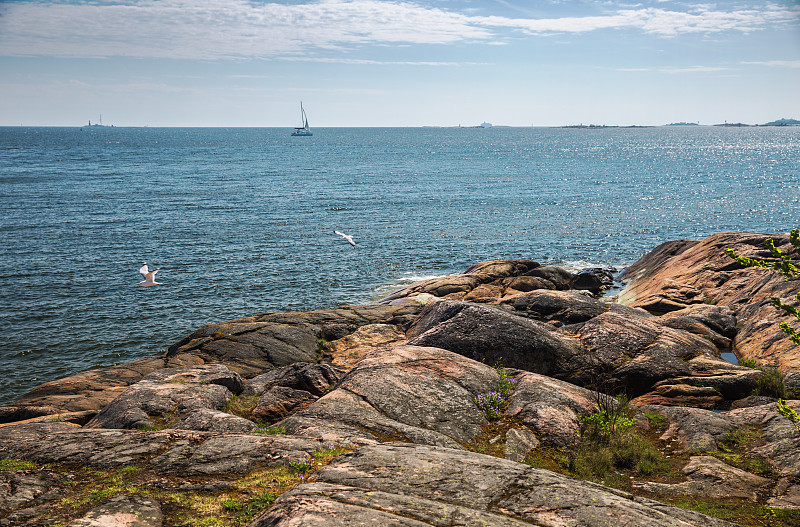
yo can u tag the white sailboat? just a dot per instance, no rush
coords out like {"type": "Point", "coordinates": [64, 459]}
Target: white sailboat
{"type": "Point", "coordinates": [302, 130]}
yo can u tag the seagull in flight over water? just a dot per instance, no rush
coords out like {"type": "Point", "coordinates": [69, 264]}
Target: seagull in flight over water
{"type": "Point", "coordinates": [346, 237]}
{"type": "Point", "coordinates": [149, 276]}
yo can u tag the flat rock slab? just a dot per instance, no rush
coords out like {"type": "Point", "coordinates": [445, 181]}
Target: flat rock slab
{"type": "Point", "coordinates": [19, 487]}
{"type": "Point", "coordinates": [696, 430]}
{"type": "Point", "coordinates": [168, 451]}
{"type": "Point", "coordinates": [123, 511]}
{"type": "Point", "coordinates": [416, 485]}
{"type": "Point", "coordinates": [406, 393]}
{"type": "Point", "coordinates": [347, 351]}
{"type": "Point", "coordinates": [710, 477]}
{"type": "Point", "coordinates": [254, 345]}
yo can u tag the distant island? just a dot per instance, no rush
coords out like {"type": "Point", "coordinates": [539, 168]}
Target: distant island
{"type": "Point", "coordinates": [682, 124]}
{"type": "Point", "coordinates": [783, 122]}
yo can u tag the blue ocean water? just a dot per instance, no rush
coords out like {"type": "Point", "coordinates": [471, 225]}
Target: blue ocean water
{"type": "Point", "coordinates": [241, 220]}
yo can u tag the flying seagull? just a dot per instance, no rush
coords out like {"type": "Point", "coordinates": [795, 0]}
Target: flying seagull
{"type": "Point", "coordinates": [149, 276]}
{"type": "Point", "coordinates": [346, 237]}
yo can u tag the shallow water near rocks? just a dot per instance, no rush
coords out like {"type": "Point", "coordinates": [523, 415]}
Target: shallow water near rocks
{"type": "Point", "coordinates": [241, 220]}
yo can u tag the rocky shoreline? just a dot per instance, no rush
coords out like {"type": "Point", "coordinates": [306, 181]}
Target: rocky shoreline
{"type": "Point", "coordinates": [370, 414]}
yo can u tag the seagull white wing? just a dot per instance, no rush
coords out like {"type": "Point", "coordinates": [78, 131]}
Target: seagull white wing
{"type": "Point", "coordinates": [343, 235]}
{"type": "Point", "coordinates": [151, 276]}
{"type": "Point", "coordinates": [143, 271]}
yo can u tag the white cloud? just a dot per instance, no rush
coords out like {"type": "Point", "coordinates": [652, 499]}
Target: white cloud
{"type": "Point", "coordinates": [217, 29]}
{"type": "Point", "coordinates": [675, 70]}
{"type": "Point", "coordinates": [694, 69]}
{"type": "Point", "coordinates": [777, 63]}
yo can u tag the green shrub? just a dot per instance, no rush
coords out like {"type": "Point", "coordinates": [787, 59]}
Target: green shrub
{"type": "Point", "coordinates": [788, 413]}
{"type": "Point", "coordinates": [749, 363]}
{"type": "Point", "coordinates": [269, 429]}
{"type": "Point", "coordinates": [771, 383]}
{"type": "Point", "coordinates": [784, 264]}
{"type": "Point", "coordinates": [657, 421]}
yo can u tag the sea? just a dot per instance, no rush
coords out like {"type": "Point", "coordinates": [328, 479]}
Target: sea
{"type": "Point", "coordinates": [240, 220]}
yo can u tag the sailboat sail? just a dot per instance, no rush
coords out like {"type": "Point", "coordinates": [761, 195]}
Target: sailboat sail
{"type": "Point", "coordinates": [302, 130]}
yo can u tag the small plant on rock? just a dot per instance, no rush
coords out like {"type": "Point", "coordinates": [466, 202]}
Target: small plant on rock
{"type": "Point", "coordinates": [788, 413]}
{"type": "Point", "coordinates": [494, 403]}
{"type": "Point", "coordinates": [784, 264]}
{"type": "Point", "coordinates": [491, 404]}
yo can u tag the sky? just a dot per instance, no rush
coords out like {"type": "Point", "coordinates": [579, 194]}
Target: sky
{"type": "Point", "coordinates": [397, 63]}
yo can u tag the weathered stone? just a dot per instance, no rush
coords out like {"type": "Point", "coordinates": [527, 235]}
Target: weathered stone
{"type": "Point", "coordinates": [720, 320]}
{"type": "Point", "coordinates": [76, 418]}
{"type": "Point", "coordinates": [595, 280]}
{"type": "Point", "coordinates": [89, 390]}
{"type": "Point", "coordinates": [64, 443]}
{"type": "Point", "coordinates": [732, 382]}
{"type": "Point", "coordinates": [18, 488]}
{"type": "Point", "coordinates": [668, 394]}
{"type": "Point", "coordinates": [208, 420]}
{"type": "Point", "coordinates": [123, 511]}
{"type": "Point", "coordinates": [526, 283]}
{"type": "Point", "coordinates": [641, 351]}
{"type": "Point", "coordinates": [408, 393]}
{"type": "Point", "coordinates": [494, 269]}
{"type": "Point", "coordinates": [698, 328]}
{"type": "Point", "coordinates": [678, 274]}
{"type": "Point", "coordinates": [785, 495]}
{"type": "Point", "coordinates": [753, 400]}
{"type": "Point", "coordinates": [204, 374]}
{"type": "Point", "coordinates": [550, 407]}
{"type": "Point", "coordinates": [167, 451]}
{"type": "Point", "coordinates": [712, 478]}
{"type": "Point", "coordinates": [232, 453]}
{"type": "Point", "coordinates": [10, 414]}
{"type": "Point", "coordinates": [493, 273]}
{"type": "Point", "coordinates": [280, 402]}
{"type": "Point", "coordinates": [484, 293]}
{"type": "Point", "coordinates": [558, 276]}
{"type": "Point", "coordinates": [490, 334]}
{"type": "Point", "coordinates": [316, 379]}
{"type": "Point", "coordinates": [347, 351]}
{"type": "Point", "coordinates": [696, 430]}
{"type": "Point", "coordinates": [567, 307]}
{"type": "Point", "coordinates": [781, 438]}
{"type": "Point", "coordinates": [165, 395]}
{"type": "Point", "coordinates": [519, 443]}
{"type": "Point", "coordinates": [254, 345]}
{"type": "Point", "coordinates": [414, 485]}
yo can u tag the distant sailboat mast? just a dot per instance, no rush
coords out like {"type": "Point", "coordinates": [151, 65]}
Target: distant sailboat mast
{"type": "Point", "coordinates": [302, 130]}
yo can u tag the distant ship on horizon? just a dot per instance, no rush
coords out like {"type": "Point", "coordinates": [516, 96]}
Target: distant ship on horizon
{"type": "Point", "coordinates": [99, 124]}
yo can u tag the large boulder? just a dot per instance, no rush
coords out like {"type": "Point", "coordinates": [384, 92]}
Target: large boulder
{"type": "Point", "coordinates": [162, 397]}
{"type": "Point", "coordinates": [414, 485]}
{"type": "Point", "coordinates": [490, 334]}
{"type": "Point", "coordinates": [551, 408]}
{"type": "Point", "coordinates": [565, 307]}
{"type": "Point", "coordinates": [677, 275]}
{"type": "Point", "coordinates": [635, 353]}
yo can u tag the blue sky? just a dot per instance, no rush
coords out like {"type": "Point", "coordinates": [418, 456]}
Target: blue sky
{"type": "Point", "coordinates": [397, 63]}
